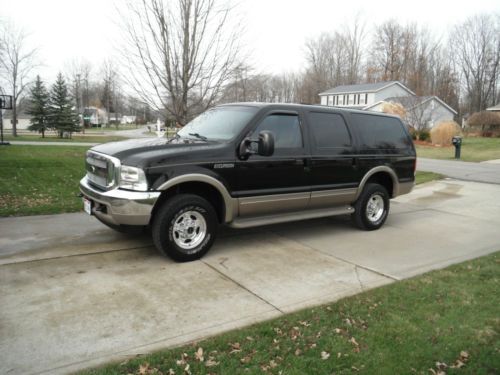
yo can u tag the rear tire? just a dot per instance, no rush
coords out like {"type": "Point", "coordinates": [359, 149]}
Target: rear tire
{"type": "Point", "coordinates": [371, 208]}
{"type": "Point", "coordinates": [185, 227]}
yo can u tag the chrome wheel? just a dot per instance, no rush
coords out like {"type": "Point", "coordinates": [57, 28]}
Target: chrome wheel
{"type": "Point", "coordinates": [189, 230]}
{"type": "Point", "coordinates": [375, 208]}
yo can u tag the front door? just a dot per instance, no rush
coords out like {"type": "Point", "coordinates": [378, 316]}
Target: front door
{"type": "Point", "coordinates": [277, 183]}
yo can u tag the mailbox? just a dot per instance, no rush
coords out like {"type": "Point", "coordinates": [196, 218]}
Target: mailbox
{"type": "Point", "coordinates": [457, 142]}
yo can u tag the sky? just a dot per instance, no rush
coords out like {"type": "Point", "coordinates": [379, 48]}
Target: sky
{"type": "Point", "coordinates": [275, 30]}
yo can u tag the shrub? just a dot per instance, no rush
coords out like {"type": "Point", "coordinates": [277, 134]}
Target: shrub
{"type": "Point", "coordinates": [442, 133]}
{"type": "Point", "coordinates": [485, 120]}
{"type": "Point", "coordinates": [424, 135]}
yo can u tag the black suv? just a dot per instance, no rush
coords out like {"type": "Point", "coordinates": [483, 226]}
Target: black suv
{"type": "Point", "coordinates": [250, 164]}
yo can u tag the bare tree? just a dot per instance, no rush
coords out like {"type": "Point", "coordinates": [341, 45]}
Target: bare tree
{"type": "Point", "coordinates": [180, 53]}
{"type": "Point", "coordinates": [17, 62]}
{"type": "Point", "coordinates": [476, 43]}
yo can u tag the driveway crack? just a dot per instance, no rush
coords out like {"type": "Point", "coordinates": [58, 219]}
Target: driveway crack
{"type": "Point", "coordinates": [243, 287]}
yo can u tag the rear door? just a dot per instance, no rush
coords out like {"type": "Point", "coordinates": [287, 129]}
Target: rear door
{"type": "Point", "coordinates": [277, 183]}
{"type": "Point", "coordinates": [334, 173]}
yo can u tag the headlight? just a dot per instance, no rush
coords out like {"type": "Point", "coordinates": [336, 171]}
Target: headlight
{"type": "Point", "coordinates": [133, 178]}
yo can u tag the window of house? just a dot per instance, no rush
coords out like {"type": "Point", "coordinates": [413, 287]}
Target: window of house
{"type": "Point", "coordinates": [362, 99]}
{"type": "Point", "coordinates": [329, 130]}
{"type": "Point", "coordinates": [285, 128]}
{"type": "Point", "coordinates": [351, 99]}
{"type": "Point", "coordinates": [330, 100]}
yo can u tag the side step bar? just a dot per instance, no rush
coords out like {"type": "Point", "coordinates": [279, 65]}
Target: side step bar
{"type": "Point", "coordinates": [290, 216]}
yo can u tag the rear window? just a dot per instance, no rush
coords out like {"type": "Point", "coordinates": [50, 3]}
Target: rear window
{"type": "Point", "coordinates": [380, 132]}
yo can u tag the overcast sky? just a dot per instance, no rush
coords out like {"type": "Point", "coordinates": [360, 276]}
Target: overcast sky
{"type": "Point", "coordinates": [275, 29]}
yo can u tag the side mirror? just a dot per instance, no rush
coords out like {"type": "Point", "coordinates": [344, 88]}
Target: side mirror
{"type": "Point", "coordinates": [266, 143]}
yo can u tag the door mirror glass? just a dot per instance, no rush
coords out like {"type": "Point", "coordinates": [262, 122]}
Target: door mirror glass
{"type": "Point", "coordinates": [266, 143]}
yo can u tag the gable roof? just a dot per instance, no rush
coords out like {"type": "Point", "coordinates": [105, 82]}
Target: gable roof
{"type": "Point", "coordinates": [364, 87]}
{"type": "Point", "coordinates": [494, 108]}
{"type": "Point", "coordinates": [413, 101]}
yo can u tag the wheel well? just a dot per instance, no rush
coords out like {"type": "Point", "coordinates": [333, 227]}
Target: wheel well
{"type": "Point", "coordinates": [383, 179]}
{"type": "Point", "coordinates": [204, 190]}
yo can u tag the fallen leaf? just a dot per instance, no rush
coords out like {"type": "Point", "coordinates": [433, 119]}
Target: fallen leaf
{"type": "Point", "coordinates": [235, 348]}
{"type": "Point", "coordinates": [144, 369]}
{"type": "Point", "coordinates": [249, 338]}
{"type": "Point", "coordinates": [464, 355]}
{"type": "Point", "coordinates": [353, 341]}
{"type": "Point", "coordinates": [210, 362]}
{"type": "Point", "coordinates": [246, 359]}
{"type": "Point", "coordinates": [171, 372]}
{"type": "Point", "coordinates": [186, 370]}
{"type": "Point", "coordinates": [304, 323]}
{"type": "Point", "coordinates": [325, 355]}
{"type": "Point", "coordinates": [272, 364]}
{"type": "Point", "coordinates": [199, 355]}
{"type": "Point", "coordinates": [339, 354]}
{"type": "Point", "coordinates": [338, 330]}
{"type": "Point", "coordinates": [298, 352]}
{"type": "Point", "coordinates": [458, 364]}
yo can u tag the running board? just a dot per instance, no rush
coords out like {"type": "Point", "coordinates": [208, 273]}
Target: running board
{"type": "Point", "coordinates": [290, 216]}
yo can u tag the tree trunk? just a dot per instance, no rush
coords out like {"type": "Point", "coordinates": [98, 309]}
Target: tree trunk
{"type": "Point", "coordinates": [14, 118]}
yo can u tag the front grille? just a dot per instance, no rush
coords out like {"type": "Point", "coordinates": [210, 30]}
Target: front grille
{"type": "Point", "coordinates": [101, 170]}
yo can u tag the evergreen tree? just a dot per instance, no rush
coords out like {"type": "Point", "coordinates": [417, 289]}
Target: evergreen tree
{"type": "Point", "coordinates": [39, 107]}
{"type": "Point", "coordinates": [62, 115]}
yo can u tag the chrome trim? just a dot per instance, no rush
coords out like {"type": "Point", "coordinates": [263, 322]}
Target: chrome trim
{"type": "Point", "coordinates": [335, 197]}
{"type": "Point", "coordinates": [266, 204]}
{"type": "Point", "coordinates": [122, 206]}
{"type": "Point", "coordinates": [115, 179]}
{"type": "Point", "coordinates": [291, 216]}
{"type": "Point", "coordinates": [230, 203]}
{"type": "Point", "coordinates": [371, 172]}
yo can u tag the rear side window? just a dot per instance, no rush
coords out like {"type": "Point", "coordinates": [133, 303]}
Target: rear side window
{"type": "Point", "coordinates": [329, 130]}
{"type": "Point", "coordinates": [380, 132]}
{"type": "Point", "coordinates": [285, 128]}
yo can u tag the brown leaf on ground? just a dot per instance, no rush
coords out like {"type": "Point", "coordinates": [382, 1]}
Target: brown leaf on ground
{"type": "Point", "coordinates": [249, 338]}
{"type": "Point", "coordinates": [272, 364]}
{"type": "Point", "coordinates": [144, 369]}
{"type": "Point", "coordinates": [298, 352]}
{"type": "Point", "coordinates": [198, 355]}
{"type": "Point", "coordinates": [210, 362]}
{"type": "Point", "coordinates": [304, 323]}
{"type": "Point", "coordinates": [325, 355]}
{"type": "Point", "coordinates": [353, 341]}
{"type": "Point", "coordinates": [170, 372]}
{"type": "Point", "coordinates": [246, 359]}
{"type": "Point", "coordinates": [235, 347]}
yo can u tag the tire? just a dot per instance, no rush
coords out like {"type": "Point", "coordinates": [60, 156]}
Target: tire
{"type": "Point", "coordinates": [371, 208]}
{"type": "Point", "coordinates": [185, 227]}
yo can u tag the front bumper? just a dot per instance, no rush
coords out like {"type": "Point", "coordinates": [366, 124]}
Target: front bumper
{"type": "Point", "coordinates": [120, 207]}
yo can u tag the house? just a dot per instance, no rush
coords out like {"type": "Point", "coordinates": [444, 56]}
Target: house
{"type": "Point", "coordinates": [421, 111]}
{"type": "Point", "coordinates": [363, 95]}
{"type": "Point", "coordinates": [495, 108]}
{"type": "Point", "coordinates": [23, 120]}
{"type": "Point", "coordinates": [128, 119]}
{"type": "Point", "coordinates": [93, 116]}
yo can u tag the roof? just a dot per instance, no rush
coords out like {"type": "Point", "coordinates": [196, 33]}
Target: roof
{"type": "Point", "coordinates": [364, 87]}
{"type": "Point", "coordinates": [494, 108]}
{"type": "Point", "coordinates": [412, 101]}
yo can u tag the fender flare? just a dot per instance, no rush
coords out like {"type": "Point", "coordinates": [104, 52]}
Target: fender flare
{"type": "Point", "coordinates": [379, 169]}
{"type": "Point", "coordinates": [229, 202]}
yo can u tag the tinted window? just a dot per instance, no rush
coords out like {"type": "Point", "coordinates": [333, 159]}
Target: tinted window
{"type": "Point", "coordinates": [285, 128]}
{"type": "Point", "coordinates": [381, 132]}
{"type": "Point", "coordinates": [219, 123]}
{"type": "Point", "coordinates": [329, 130]}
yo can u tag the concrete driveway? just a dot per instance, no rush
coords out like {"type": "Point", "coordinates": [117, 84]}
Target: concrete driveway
{"type": "Point", "coordinates": [74, 294]}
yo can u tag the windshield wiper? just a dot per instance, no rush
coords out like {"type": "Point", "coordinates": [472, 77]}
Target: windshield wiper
{"type": "Point", "coordinates": [199, 136]}
{"type": "Point", "coordinates": [174, 138]}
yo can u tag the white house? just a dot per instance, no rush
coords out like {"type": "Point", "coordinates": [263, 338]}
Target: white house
{"type": "Point", "coordinates": [363, 95]}
{"type": "Point", "coordinates": [372, 96]}
{"type": "Point", "coordinates": [23, 120]}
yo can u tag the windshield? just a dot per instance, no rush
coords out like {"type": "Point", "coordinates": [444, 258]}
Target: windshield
{"type": "Point", "coordinates": [223, 123]}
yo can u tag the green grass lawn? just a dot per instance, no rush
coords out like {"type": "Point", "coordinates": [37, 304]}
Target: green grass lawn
{"type": "Point", "coordinates": [443, 322]}
{"type": "Point", "coordinates": [37, 180]}
{"type": "Point", "coordinates": [473, 149]}
{"type": "Point", "coordinates": [40, 179]}
{"type": "Point", "coordinates": [54, 138]}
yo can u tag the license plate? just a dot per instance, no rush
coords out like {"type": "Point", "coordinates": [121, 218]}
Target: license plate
{"type": "Point", "coordinates": [87, 206]}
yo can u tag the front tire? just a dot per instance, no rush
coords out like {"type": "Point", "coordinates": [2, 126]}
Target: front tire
{"type": "Point", "coordinates": [371, 208]}
{"type": "Point", "coordinates": [185, 227]}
